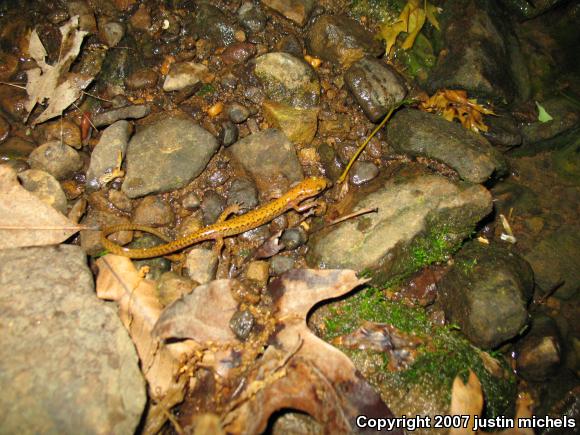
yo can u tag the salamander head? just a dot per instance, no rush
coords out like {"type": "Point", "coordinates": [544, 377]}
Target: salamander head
{"type": "Point", "coordinates": [310, 187]}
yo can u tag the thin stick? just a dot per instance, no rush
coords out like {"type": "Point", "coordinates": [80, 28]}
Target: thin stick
{"type": "Point", "coordinates": [48, 227]}
{"type": "Point", "coordinates": [13, 85]}
{"type": "Point", "coordinates": [96, 97]}
{"type": "Point", "coordinates": [353, 215]}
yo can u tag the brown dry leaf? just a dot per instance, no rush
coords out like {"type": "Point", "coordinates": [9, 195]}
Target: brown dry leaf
{"type": "Point", "coordinates": [301, 371]}
{"type": "Point", "coordinates": [139, 309]}
{"type": "Point", "coordinates": [55, 83]}
{"type": "Point", "coordinates": [451, 104]}
{"type": "Point", "coordinates": [27, 221]}
{"type": "Point", "coordinates": [466, 399]}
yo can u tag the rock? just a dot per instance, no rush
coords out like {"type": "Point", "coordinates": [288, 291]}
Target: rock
{"type": "Point", "coordinates": [242, 323]}
{"type": "Point", "coordinates": [59, 160]}
{"type": "Point", "coordinates": [166, 155]}
{"type": "Point", "coordinates": [331, 166]}
{"type": "Point", "coordinates": [529, 10]}
{"type": "Point", "coordinates": [190, 201]}
{"type": "Point", "coordinates": [154, 267]}
{"type": "Point", "coordinates": [363, 172]}
{"type": "Point", "coordinates": [299, 125]}
{"type": "Point", "coordinates": [503, 131]}
{"type": "Point", "coordinates": [268, 155]}
{"type": "Point", "coordinates": [237, 113]}
{"type": "Point", "coordinates": [290, 44]}
{"type": "Point", "coordinates": [87, 20]}
{"type": "Point", "coordinates": [340, 39]}
{"type": "Point", "coordinates": [45, 187]}
{"type": "Point", "coordinates": [215, 25]}
{"type": "Point", "coordinates": [481, 52]}
{"type": "Point", "coordinates": [106, 154]}
{"type": "Point", "coordinates": [67, 364]}
{"type": "Point", "coordinates": [258, 272]}
{"type": "Point", "coordinates": [144, 78]}
{"type": "Point", "coordinates": [4, 129]}
{"type": "Point", "coordinates": [376, 87]}
{"type": "Point", "coordinates": [251, 17]}
{"type": "Point", "coordinates": [15, 148]}
{"type": "Point", "coordinates": [280, 264]}
{"type": "Point", "coordinates": [141, 19]}
{"type": "Point", "coordinates": [238, 53]}
{"type": "Point", "coordinates": [120, 200]}
{"type": "Point", "coordinates": [112, 33]}
{"type": "Point", "coordinates": [486, 293]}
{"type": "Point", "coordinates": [91, 240]}
{"type": "Point", "coordinates": [153, 211]}
{"type": "Point", "coordinates": [538, 354]}
{"type": "Point", "coordinates": [201, 265]}
{"type": "Point", "coordinates": [183, 75]}
{"type": "Point", "coordinates": [212, 206]}
{"type": "Point", "coordinates": [420, 219]}
{"type": "Point", "coordinates": [135, 111]}
{"type": "Point", "coordinates": [244, 193]}
{"type": "Point", "coordinates": [8, 65]}
{"type": "Point", "coordinates": [12, 102]}
{"type": "Point", "coordinates": [295, 10]}
{"type": "Point", "coordinates": [228, 134]}
{"type": "Point", "coordinates": [510, 194]}
{"type": "Point", "coordinates": [288, 79]}
{"type": "Point", "coordinates": [566, 161]}
{"type": "Point", "coordinates": [566, 118]}
{"type": "Point", "coordinates": [428, 135]}
{"type": "Point", "coordinates": [63, 130]}
{"type": "Point", "coordinates": [556, 263]}
{"type": "Point", "coordinates": [293, 238]}
{"type": "Point", "coordinates": [171, 286]}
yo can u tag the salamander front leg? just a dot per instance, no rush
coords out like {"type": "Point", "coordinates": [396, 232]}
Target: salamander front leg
{"type": "Point", "coordinates": [318, 205]}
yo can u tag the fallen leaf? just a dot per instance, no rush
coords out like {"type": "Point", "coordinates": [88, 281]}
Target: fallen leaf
{"type": "Point", "coordinates": [543, 115]}
{"type": "Point", "coordinates": [270, 247]}
{"type": "Point", "coordinates": [27, 221]}
{"type": "Point", "coordinates": [54, 83]}
{"type": "Point", "coordinates": [466, 399]}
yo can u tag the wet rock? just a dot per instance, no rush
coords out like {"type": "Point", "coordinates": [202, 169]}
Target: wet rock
{"type": "Point", "coordinates": [566, 118]}
{"type": "Point", "coordinates": [64, 131]}
{"type": "Point", "coordinates": [53, 311]}
{"type": "Point", "coordinates": [251, 17]}
{"type": "Point", "coordinates": [527, 10]}
{"type": "Point", "coordinates": [172, 286]}
{"type": "Point", "coordinates": [539, 353]}
{"type": "Point", "coordinates": [91, 240]}
{"type": "Point", "coordinates": [417, 217]}
{"type": "Point", "coordinates": [336, 126]}
{"type": "Point", "coordinates": [486, 293]}
{"type": "Point", "coordinates": [363, 172]}
{"type": "Point", "coordinates": [166, 155]}
{"type": "Point", "coordinates": [299, 125]}
{"type": "Point", "coordinates": [290, 44]}
{"type": "Point", "coordinates": [215, 25]}
{"type": "Point", "coordinates": [288, 79]}
{"type": "Point", "coordinates": [120, 200]}
{"type": "Point", "coordinates": [238, 113]}
{"type": "Point", "coordinates": [295, 10]}
{"type": "Point", "coordinates": [218, 178]}
{"type": "Point", "coordinates": [503, 131]}
{"type": "Point", "coordinates": [268, 155]}
{"type": "Point", "coordinates": [12, 102]}
{"type": "Point", "coordinates": [481, 52]}
{"type": "Point", "coordinates": [428, 135]}
{"type": "Point", "coordinates": [87, 20]}
{"type": "Point", "coordinates": [183, 75]}
{"type": "Point", "coordinates": [244, 193]}
{"type": "Point", "coordinates": [293, 238]}
{"type": "Point", "coordinates": [8, 65]}
{"type": "Point", "coordinates": [135, 111]}
{"type": "Point", "coordinates": [228, 133]}
{"type": "Point", "coordinates": [201, 265]}
{"type": "Point", "coordinates": [510, 194]}
{"type": "Point", "coordinates": [4, 129]}
{"type": "Point", "coordinates": [141, 19]}
{"type": "Point", "coordinates": [155, 267]}
{"type": "Point", "coordinates": [212, 206]}
{"type": "Point", "coordinates": [556, 263]}
{"type": "Point", "coordinates": [142, 79]}
{"type": "Point", "coordinates": [331, 165]}
{"type": "Point", "coordinates": [105, 156]}
{"type": "Point", "coordinates": [376, 87]}
{"type": "Point", "coordinates": [45, 187]}
{"type": "Point", "coordinates": [238, 53]}
{"type": "Point", "coordinates": [59, 160]}
{"type": "Point", "coordinates": [339, 39]}
{"type": "Point", "coordinates": [15, 148]}
{"type": "Point", "coordinates": [58, 16]}
{"type": "Point", "coordinates": [112, 33]}
{"type": "Point", "coordinates": [191, 201]}
{"type": "Point", "coordinates": [258, 272]}
{"type": "Point", "coordinates": [152, 211]}
{"type": "Point", "coordinates": [242, 323]}
{"type": "Point", "coordinates": [566, 161]}
{"type": "Point", "coordinates": [280, 264]}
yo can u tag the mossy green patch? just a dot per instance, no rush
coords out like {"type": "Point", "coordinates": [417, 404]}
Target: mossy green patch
{"type": "Point", "coordinates": [379, 10]}
{"type": "Point", "coordinates": [206, 89]}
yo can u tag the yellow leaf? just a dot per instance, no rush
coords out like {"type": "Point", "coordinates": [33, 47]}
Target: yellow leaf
{"type": "Point", "coordinates": [416, 21]}
{"type": "Point", "coordinates": [430, 11]}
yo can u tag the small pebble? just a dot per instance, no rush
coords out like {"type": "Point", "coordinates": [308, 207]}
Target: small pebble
{"type": "Point", "coordinates": [217, 178]}
{"type": "Point", "coordinates": [292, 238]}
{"type": "Point", "coordinates": [153, 211]}
{"type": "Point", "coordinates": [201, 265]}
{"type": "Point", "coordinates": [240, 35]}
{"type": "Point", "coordinates": [228, 134]}
{"type": "Point", "coordinates": [216, 109]}
{"type": "Point", "coordinates": [244, 193]}
{"type": "Point", "coordinates": [281, 264]}
{"type": "Point", "coordinates": [59, 160]}
{"type": "Point", "coordinates": [190, 201]}
{"type": "Point", "coordinates": [45, 187]}
{"type": "Point", "coordinates": [142, 79]}
{"type": "Point", "coordinates": [258, 272]}
{"type": "Point", "coordinates": [189, 225]}
{"type": "Point", "coordinates": [4, 129]}
{"type": "Point", "coordinates": [242, 323]}
{"type": "Point", "coordinates": [120, 200]}
{"type": "Point", "coordinates": [211, 206]}
{"type": "Point", "coordinates": [172, 286]}
{"type": "Point", "coordinates": [363, 172]}
{"type": "Point", "coordinates": [251, 18]}
{"type": "Point", "coordinates": [238, 113]}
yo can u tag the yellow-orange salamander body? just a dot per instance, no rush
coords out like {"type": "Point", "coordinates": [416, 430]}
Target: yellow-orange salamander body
{"type": "Point", "coordinates": [308, 188]}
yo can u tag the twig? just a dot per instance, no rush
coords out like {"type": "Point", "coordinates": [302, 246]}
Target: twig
{"type": "Point", "coordinates": [96, 97]}
{"type": "Point", "coordinates": [15, 85]}
{"type": "Point", "coordinates": [353, 215]}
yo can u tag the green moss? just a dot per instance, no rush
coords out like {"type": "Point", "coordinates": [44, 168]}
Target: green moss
{"type": "Point", "coordinates": [436, 246]}
{"type": "Point", "coordinates": [206, 89]}
{"type": "Point", "coordinates": [379, 10]}
{"type": "Point", "coordinates": [444, 355]}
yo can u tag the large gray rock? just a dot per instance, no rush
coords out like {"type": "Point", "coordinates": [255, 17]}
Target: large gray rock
{"type": "Point", "coordinates": [487, 293]}
{"type": "Point", "coordinates": [59, 160]}
{"type": "Point", "coordinates": [340, 39]}
{"type": "Point", "coordinates": [428, 135]}
{"type": "Point", "coordinates": [268, 155]}
{"type": "Point", "coordinates": [45, 187]}
{"type": "Point", "coordinates": [166, 155]}
{"type": "Point", "coordinates": [67, 364]}
{"type": "Point", "coordinates": [419, 218]}
{"type": "Point", "coordinates": [376, 87]}
{"type": "Point", "coordinates": [105, 155]}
